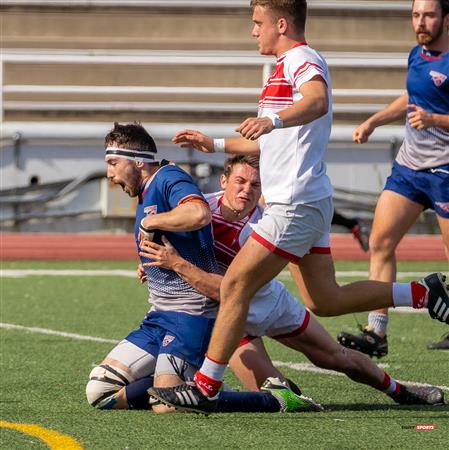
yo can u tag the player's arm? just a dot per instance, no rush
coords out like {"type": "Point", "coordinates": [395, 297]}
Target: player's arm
{"type": "Point", "coordinates": [394, 111]}
{"type": "Point", "coordinates": [206, 144]}
{"type": "Point", "coordinates": [421, 119]}
{"type": "Point", "coordinates": [167, 257]}
{"type": "Point", "coordinates": [190, 215]}
{"type": "Point", "coordinates": [313, 105]}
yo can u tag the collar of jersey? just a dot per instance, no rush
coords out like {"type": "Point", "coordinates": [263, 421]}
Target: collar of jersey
{"type": "Point", "coordinates": [144, 187]}
{"type": "Point", "coordinates": [430, 54]}
{"type": "Point", "coordinates": [298, 44]}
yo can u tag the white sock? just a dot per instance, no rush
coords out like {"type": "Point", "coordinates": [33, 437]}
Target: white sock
{"type": "Point", "coordinates": [402, 294]}
{"type": "Point", "coordinates": [213, 369]}
{"type": "Point", "coordinates": [378, 322]}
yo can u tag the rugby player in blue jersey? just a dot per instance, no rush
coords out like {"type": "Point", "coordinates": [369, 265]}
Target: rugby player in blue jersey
{"type": "Point", "coordinates": [172, 339]}
{"type": "Point", "coordinates": [420, 174]}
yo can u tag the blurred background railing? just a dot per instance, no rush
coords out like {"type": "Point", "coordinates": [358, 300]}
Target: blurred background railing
{"type": "Point", "coordinates": [68, 70]}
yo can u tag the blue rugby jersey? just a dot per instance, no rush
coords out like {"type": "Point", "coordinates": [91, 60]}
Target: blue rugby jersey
{"type": "Point", "coordinates": [427, 87]}
{"type": "Point", "coordinates": [168, 188]}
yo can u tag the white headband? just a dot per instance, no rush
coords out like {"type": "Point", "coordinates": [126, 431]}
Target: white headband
{"type": "Point", "coordinates": [134, 155]}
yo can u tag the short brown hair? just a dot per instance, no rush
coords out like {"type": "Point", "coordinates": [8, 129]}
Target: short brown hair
{"type": "Point", "coordinates": [251, 160]}
{"type": "Point", "coordinates": [295, 9]}
{"type": "Point", "coordinates": [444, 5]}
{"type": "Point", "coordinates": [131, 136]}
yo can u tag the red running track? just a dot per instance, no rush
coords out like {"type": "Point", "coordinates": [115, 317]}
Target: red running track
{"type": "Point", "coordinates": [45, 246]}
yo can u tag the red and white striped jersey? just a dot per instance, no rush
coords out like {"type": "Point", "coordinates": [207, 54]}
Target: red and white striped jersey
{"type": "Point", "coordinates": [291, 161]}
{"type": "Point", "coordinates": [229, 237]}
{"type": "Point", "coordinates": [273, 308]}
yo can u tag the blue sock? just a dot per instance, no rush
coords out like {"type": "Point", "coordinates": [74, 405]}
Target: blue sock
{"type": "Point", "coordinates": [136, 393]}
{"type": "Point", "coordinates": [247, 402]}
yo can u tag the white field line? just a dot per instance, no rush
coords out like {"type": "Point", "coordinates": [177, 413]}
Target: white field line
{"type": "Point", "coordinates": [301, 367]}
{"type": "Point", "coordinates": [284, 275]}
{"type": "Point", "coordinates": [80, 337]}
{"type": "Point", "coordinates": [17, 273]}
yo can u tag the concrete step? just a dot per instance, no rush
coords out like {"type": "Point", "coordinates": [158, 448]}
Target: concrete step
{"type": "Point", "coordinates": [332, 26]}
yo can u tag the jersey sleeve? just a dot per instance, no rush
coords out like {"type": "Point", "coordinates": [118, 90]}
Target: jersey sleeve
{"type": "Point", "coordinates": [301, 67]}
{"type": "Point", "coordinates": [179, 187]}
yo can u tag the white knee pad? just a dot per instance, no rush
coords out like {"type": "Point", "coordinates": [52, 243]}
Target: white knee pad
{"type": "Point", "coordinates": [104, 383]}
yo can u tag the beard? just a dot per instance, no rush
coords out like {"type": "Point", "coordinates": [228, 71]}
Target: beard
{"type": "Point", "coordinates": [424, 37]}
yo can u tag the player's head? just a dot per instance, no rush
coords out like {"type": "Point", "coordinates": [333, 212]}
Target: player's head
{"type": "Point", "coordinates": [241, 183]}
{"type": "Point", "coordinates": [274, 19]}
{"type": "Point", "coordinates": [430, 20]}
{"type": "Point", "coordinates": [130, 153]}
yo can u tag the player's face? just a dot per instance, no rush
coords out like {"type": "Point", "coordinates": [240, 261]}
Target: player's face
{"type": "Point", "coordinates": [124, 172]}
{"type": "Point", "coordinates": [428, 21]}
{"type": "Point", "coordinates": [242, 188]}
{"type": "Point", "coordinates": [265, 30]}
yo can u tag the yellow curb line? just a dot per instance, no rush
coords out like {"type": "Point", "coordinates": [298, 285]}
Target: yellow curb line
{"type": "Point", "coordinates": [55, 440]}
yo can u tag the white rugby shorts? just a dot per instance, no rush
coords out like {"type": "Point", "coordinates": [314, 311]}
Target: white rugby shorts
{"type": "Point", "coordinates": [293, 231]}
{"type": "Point", "coordinates": [281, 314]}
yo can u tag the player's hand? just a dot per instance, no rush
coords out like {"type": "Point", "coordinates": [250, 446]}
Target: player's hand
{"type": "Point", "coordinates": [141, 275]}
{"type": "Point", "coordinates": [419, 118]}
{"type": "Point", "coordinates": [164, 256]}
{"type": "Point", "coordinates": [361, 134]}
{"type": "Point", "coordinates": [253, 127]}
{"type": "Point", "coordinates": [195, 139]}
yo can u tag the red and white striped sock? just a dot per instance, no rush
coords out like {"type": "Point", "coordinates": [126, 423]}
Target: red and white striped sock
{"type": "Point", "coordinates": [419, 295]}
{"type": "Point", "coordinates": [209, 377]}
{"type": "Point", "coordinates": [410, 294]}
{"type": "Point", "coordinates": [390, 386]}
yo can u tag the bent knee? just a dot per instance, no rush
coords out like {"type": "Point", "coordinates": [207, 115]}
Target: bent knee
{"type": "Point", "coordinates": [104, 386]}
{"type": "Point", "coordinates": [382, 245]}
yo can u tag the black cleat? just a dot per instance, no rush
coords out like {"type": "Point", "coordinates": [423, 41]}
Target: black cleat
{"type": "Point", "coordinates": [419, 395]}
{"type": "Point", "coordinates": [185, 397]}
{"type": "Point", "coordinates": [367, 342]}
{"type": "Point", "coordinates": [361, 233]}
{"type": "Point", "coordinates": [440, 345]}
{"type": "Point", "coordinates": [438, 296]}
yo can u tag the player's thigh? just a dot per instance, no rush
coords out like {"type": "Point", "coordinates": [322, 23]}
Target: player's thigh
{"type": "Point", "coordinates": [252, 365]}
{"type": "Point", "coordinates": [393, 217]}
{"type": "Point", "coordinates": [138, 362]}
{"type": "Point", "coordinates": [253, 267]}
{"type": "Point", "coordinates": [316, 277]}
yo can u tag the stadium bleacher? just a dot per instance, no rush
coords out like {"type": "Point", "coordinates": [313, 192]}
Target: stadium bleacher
{"type": "Point", "coordinates": [81, 65]}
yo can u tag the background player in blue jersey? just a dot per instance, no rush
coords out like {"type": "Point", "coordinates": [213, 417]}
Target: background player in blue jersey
{"type": "Point", "coordinates": [172, 339]}
{"type": "Point", "coordinates": [420, 175]}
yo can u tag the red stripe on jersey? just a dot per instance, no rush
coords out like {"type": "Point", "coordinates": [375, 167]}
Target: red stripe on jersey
{"type": "Point", "coordinates": [305, 67]}
{"type": "Point", "coordinates": [277, 91]}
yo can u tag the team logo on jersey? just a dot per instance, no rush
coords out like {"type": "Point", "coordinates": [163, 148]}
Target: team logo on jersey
{"type": "Point", "coordinates": [437, 77]}
{"type": "Point", "coordinates": [443, 206]}
{"type": "Point", "coordinates": [167, 340]}
{"type": "Point", "coordinates": [150, 210]}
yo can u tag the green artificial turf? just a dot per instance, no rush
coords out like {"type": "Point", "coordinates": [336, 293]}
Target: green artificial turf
{"type": "Point", "coordinates": [44, 376]}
